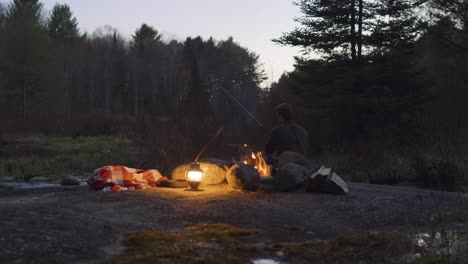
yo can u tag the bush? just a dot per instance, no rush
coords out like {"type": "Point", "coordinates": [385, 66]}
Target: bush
{"type": "Point", "coordinates": [445, 173]}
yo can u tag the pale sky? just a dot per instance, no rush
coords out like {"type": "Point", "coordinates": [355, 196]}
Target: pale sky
{"type": "Point", "coordinates": [252, 23]}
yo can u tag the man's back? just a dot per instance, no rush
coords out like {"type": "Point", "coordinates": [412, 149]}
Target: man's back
{"type": "Point", "coordinates": [288, 136]}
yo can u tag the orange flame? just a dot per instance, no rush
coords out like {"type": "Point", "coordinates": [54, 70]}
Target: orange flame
{"type": "Point", "coordinates": [257, 161]}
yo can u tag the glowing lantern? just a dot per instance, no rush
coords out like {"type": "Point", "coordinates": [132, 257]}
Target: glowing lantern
{"type": "Point", "coordinates": [194, 176]}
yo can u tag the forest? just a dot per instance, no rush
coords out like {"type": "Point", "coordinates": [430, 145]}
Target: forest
{"type": "Point", "coordinates": [379, 84]}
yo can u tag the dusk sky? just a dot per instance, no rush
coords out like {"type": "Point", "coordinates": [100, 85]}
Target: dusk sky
{"type": "Point", "coordinates": [252, 23]}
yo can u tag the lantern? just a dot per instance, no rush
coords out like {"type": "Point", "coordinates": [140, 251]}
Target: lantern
{"type": "Point", "coordinates": [194, 176]}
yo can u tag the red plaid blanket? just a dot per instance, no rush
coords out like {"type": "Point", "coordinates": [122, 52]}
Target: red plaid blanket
{"type": "Point", "coordinates": [119, 178]}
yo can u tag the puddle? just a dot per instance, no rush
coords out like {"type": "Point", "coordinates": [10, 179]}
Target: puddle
{"type": "Point", "coordinates": [265, 261]}
{"type": "Point", "coordinates": [442, 244]}
{"type": "Point", "coordinates": [28, 185]}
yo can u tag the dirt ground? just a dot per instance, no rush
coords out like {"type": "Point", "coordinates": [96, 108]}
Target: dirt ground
{"type": "Point", "coordinates": [76, 225]}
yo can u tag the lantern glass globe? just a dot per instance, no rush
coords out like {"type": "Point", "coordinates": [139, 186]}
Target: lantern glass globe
{"type": "Point", "coordinates": [194, 176]}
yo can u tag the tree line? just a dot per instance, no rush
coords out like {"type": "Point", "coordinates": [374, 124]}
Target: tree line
{"type": "Point", "coordinates": [381, 71]}
{"type": "Point", "coordinates": [373, 76]}
{"type": "Point", "coordinates": [63, 79]}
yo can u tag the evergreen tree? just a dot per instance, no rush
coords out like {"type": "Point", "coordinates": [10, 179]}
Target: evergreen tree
{"type": "Point", "coordinates": [365, 78]}
{"type": "Point", "coordinates": [146, 47]}
{"type": "Point", "coordinates": [2, 16]}
{"type": "Point", "coordinates": [348, 30]}
{"type": "Point", "coordinates": [333, 29]}
{"type": "Point", "coordinates": [396, 25]}
{"type": "Point", "coordinates": [144, 38]}
{"type": "Point", "coordinates": [2, 60]}
{"type": "Point", "coordinates": [62, 25]}
{"type": "Point", "coordinates": [26, 56]}
{"type": "Point", "coordinates": [64, 33]}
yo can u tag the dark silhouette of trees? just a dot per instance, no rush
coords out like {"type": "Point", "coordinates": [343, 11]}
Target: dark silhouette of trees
{"type": "Point", "coordinates": [59, 80]}
{"type": "Point", "coordinates": [358, 70]}
{"type": "Point", "coordinates": [25, 58]}
{"type": "Point", "coordinates": [62, 25]}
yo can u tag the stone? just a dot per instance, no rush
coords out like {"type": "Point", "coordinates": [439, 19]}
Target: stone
{"type": "Point", "coordinates": [267, 184]}
{"type": "Point", "coordinates": [215, 174]}
{"type": "Point", "coordinates": [219, 162]}
{"type": "Point", "coordinates": [39, 179]}
{"type": "Point", "coordinates": [290, 177]}
{"type": "Point", "coordinates": [70, 181]}
{"type": "Point", "coordinates": [243, 177]}
{"type": "Point", "coordinates": [327, 181]}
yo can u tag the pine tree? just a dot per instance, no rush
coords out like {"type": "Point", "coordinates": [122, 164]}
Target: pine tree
{"type": "Point", "coordinates": [26, 55]}
{"type": "Point", "coordinates": [2, 16]}
{"type": "Point", "coordinates": [62, 25]}
{"type": "Point", "coordinates": [365, 76]}
{"type": "Point", "coordinates": [396, 25]}
{"type": "Point", "coordinates": [144, 38]}
{"type": "Point", "coordinates": [146, 44]}
{"type": "Point", "coordinates": [349, 30]}
{"type": "Point", "coordinates": [333, 29]}
{"type": "Point", "coordinates": [63, 30]}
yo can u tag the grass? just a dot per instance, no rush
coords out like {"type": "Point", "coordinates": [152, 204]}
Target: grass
{"type": "Point", "coordinates": [441, 172]}
{"type": "Point", "coordinates": [56, 157]}
{"type": "Point", "coordinates": [213, 243]}
{"type": "Point", "coordinates": [220, 243]}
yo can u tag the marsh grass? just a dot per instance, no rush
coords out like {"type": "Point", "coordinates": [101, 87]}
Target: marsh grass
{"type": "Point", "coordinates": [221, 243]}
{"type": "Point", "coordinates": [439, 172]}
{"type": "Point", "coordinates": [213, 243]}
{"type": "Point", "coordinates": [56, 157]}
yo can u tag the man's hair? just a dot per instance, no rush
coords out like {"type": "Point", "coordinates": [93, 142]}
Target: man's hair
{"type": "Point", "coordinates": [285, 111]}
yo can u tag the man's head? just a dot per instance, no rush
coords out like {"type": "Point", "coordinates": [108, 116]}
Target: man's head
{"type": "Point", "coordinates": [284, 112]}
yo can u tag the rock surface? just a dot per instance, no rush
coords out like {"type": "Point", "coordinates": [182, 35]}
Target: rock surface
{"type": "Point", "coordinates": [214, 173]}
{"type": "Point", "coordinates": [76, 225]}
{"type": "Point", "coordinates": [290, 177]}
{"type": "Point", "coordinates": [70, 181]}
{"type": "Point", "coordinates": [7, 179]}
{"type": "Point", "coordinates": [243, 177]}
{"type": "Point", "coordinates": [39, 179]}
{"type": "Point", "coordinates": [221, 163]}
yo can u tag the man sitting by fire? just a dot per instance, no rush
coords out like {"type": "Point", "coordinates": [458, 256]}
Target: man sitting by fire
{"type": "Point", "coordinates": [286, 136]}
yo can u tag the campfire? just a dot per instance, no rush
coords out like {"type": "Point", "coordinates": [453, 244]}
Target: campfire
{"type": "Point", "coordinates": [256, 160]}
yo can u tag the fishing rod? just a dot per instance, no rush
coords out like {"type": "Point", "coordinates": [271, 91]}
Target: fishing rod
{"type": "Point", "coordinates": [242, 106]}
{"type": "Point", "coordinates": [209, 143]}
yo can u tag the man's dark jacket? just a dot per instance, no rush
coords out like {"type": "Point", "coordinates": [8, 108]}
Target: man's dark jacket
{"type": "Point", "coordinates": [288, 136]}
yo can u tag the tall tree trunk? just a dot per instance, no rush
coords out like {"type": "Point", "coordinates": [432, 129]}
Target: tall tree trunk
{"type": "Point", "coordinates": [108, 84]}
{"type": "Point", "coordinates": [353, 30]}
{"type": "Point", "coordinates": [24, 99]}
{"type": "Point", "coordinates": [361, 7]}
{"type": "Point", "coordinates": [466, 16]}
{"type": "Point", "coordinates": [136, 97]}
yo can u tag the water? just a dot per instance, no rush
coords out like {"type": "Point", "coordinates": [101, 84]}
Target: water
{"type": "Point", "coordinates": [265, 261]}
{"type": "Point", "coordinates": [28, 185]}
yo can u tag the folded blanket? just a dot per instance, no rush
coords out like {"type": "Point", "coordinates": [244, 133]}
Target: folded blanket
{"type": "Point", "coordinates": [119, 178]}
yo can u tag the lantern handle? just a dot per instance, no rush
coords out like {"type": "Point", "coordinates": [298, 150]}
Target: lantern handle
{"type": "Point", "coordinates": [211, 141]}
